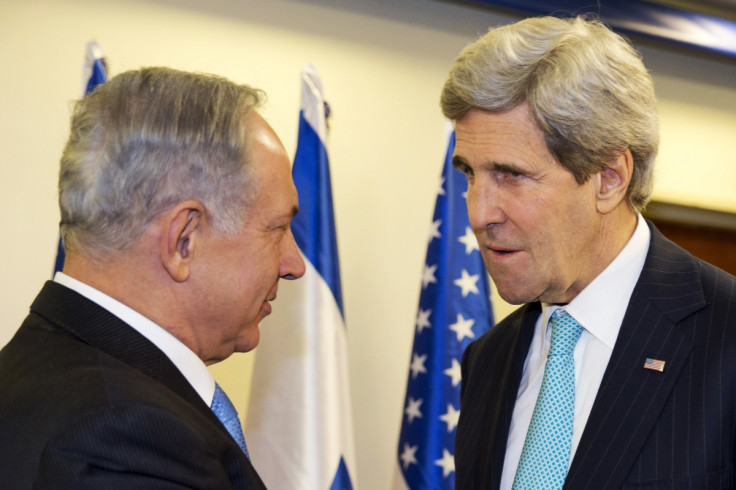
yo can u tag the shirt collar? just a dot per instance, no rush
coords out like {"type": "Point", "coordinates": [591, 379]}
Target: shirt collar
{"type": "Point", "coordinates": [601, 306]}
{"type": "Point", "coordinates": [188, 363]}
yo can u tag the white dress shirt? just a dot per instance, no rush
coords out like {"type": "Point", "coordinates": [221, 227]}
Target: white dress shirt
{"type": "Point", "coordinates": [600, 309]}
{"type": "Point", "coordinates": [188, 363]}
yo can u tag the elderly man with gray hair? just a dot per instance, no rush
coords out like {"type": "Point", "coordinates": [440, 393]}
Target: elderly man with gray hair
{"type": "Point", "coordinates": [619, 370]}
{"type": "Point", "coordinates": [176, 198]}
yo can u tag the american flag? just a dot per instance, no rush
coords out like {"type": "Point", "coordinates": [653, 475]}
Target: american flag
{"type": "Point", "coordinates": [654, 364]}
{"type": "Point", "coordinates": [454, 309]}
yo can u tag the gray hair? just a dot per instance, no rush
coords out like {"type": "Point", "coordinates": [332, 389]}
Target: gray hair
{"type": "Point", "coordinates": [586, 86]}
{"type": "Point", "coordinates": [146, 140]}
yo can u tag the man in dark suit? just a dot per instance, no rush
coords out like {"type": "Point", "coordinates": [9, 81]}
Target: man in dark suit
{"type": "Point", "coordinates": [557, 132]}
{"type": "Point", "coordinates": [176, 198]}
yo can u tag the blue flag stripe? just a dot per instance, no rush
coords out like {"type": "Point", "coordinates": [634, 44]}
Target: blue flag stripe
{"type": "Point", "coordinates": [342, 478]}
{"type": "Point", "coordinates": [314, 225]}
{"type": "Point", "coordinates": [98, 75]}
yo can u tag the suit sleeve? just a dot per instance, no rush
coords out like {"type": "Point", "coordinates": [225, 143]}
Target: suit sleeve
{"type": "Point", "coordinates": [134, 447]}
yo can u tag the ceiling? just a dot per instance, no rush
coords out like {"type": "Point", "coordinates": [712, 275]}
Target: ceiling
{"type": "Point", "coordinates": [707, 25]}
{"type": "Point", "coordinates": [719, 8]}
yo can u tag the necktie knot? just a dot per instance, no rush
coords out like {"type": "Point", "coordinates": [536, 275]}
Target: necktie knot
{"type": "Point", "coordinates": [565, 334]}
{"type": "Point", "coordinates": [225, 411]}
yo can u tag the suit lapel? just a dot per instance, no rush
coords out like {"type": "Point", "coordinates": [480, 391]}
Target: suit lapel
{"type": "Point", "coordinates": [497, 421]}
{"type": "Point", "coordinates": [631, 397]}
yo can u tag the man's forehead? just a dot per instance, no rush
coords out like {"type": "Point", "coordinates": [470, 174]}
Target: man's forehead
{"type": "Point", "coordinates": [261, 133]}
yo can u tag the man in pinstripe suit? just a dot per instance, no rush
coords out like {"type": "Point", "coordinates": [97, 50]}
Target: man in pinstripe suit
{"type": "Point", "coordinates": [557, 133]}
{"type": "Point", "coordinates": [176, 198]}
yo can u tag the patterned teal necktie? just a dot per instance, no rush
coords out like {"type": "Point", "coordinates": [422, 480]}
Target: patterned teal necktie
{"type": "Point", "coordinates": [225, 411]}
{"type": "Point", "coordinates": [546, 453]}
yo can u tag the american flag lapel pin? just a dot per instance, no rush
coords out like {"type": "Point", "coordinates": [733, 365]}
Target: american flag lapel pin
{"type": "Point", "coordinates": [654, 364]}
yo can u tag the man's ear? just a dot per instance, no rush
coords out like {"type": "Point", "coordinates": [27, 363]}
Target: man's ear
{"type": "Point", "coordinates": [613, 181]}
{"type": "Point", "coordinates": [182, 227]}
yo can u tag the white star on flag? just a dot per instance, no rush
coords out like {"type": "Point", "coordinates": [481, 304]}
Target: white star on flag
{"type": "Point", "coordinates": [469, 240]}
{"type": "Point", "coordinates": [428, 276]}
{"type": "Point", "coordinates": [423, 320]}
{"type": "Point", "coordinates": [417, 365]}
{"type": "Point", "coordinates": [454, 372]}
{"type": "Point", "coordinates": [451, 417]}
{"type": "Point", "coordinates": [412, 410]}
{"type": "Point", "coordinates": [409, 455]}
{"type": "Point", "coordinates": [467, 283]}
{"type": "Point", "coordinates": [434, 231]}
{"type": "Point", "coordinates": [440, 188]}
{"type": "Point", "coordinates": [463, 328]}
{"type": "Point", "coordinates": [447, 463]}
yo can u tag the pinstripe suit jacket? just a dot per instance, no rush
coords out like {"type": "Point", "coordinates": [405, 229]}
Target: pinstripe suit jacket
{"type": "Point", "coordinates": [86, 402]}
{"type": "Point", "coordinates": [674, 429]}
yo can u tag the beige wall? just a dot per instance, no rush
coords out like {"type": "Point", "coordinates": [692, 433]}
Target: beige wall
{"type": "Point", "coordinates": [382, 63]}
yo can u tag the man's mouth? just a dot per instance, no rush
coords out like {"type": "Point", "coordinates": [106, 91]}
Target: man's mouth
{"type": "Point", "coordinates": [267, 307]}
{"type": "Point", "coordinates": [267, 303]}
{"type": "Point", "coordinates": [501, 251]}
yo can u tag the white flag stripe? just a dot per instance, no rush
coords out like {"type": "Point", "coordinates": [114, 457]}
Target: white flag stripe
{"type": "Point", "coordinates": [312, 102]}
{"type": "Point", "coordinates": [300, 347]}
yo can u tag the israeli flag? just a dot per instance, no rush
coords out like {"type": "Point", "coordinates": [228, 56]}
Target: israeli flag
{"type": "Point", "coordinates": [454, 309]}
{"type": "Point", "coordinates": [93, 74]}
{"type": "Point", "coordinates": [299, 425]}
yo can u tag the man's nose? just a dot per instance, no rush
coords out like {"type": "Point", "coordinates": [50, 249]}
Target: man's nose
{"type": "Point", "coordinates": [484, 207]}
{"type": "Point", "coordinates": [292, 264]}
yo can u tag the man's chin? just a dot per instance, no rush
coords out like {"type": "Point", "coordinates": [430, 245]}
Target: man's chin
{"type": "Point", "coordinates": [514, 296]}
{"type": "Point", "coordinates": [249, 338]}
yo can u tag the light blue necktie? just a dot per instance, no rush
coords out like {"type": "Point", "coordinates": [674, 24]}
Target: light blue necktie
{"type": "Point", "coordinates": [225, 411]}
{"type": "Point", "coordinates": [546, 453]}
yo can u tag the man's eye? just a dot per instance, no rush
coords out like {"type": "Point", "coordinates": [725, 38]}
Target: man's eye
{"type": "Point", "coordinates": [508, 175]}
{"type": "Point", "coordinates": [467, 171]}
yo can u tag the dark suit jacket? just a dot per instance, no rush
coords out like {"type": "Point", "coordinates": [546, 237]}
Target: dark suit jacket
{"type": "Point", "coordinates": [674, 429]}
{"type": "Point", "coordinates": [86, 402]}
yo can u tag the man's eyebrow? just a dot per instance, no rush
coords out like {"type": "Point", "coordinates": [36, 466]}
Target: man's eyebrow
{"type": "Point", "coordinates": [459, 162]}
{"type": "Point", "coordinates": [290, 214]}
{"type": "Point", "coordinates": [505, 167]}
